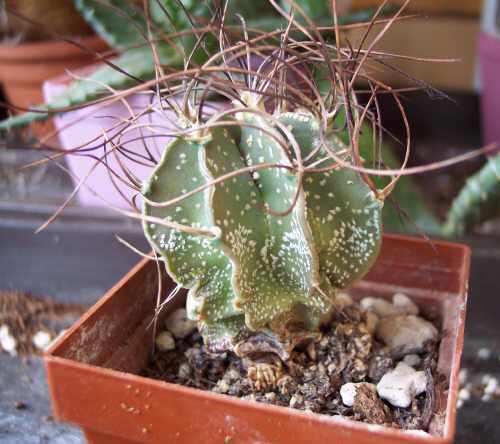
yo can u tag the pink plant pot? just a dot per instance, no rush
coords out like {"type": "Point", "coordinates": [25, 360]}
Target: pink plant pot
{"type": "Point", "coordinates": [84, 129]}
{"type": "Point", "coordinates": [489, 59]}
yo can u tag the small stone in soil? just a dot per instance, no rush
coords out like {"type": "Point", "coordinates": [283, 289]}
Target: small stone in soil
{"type": "Point", "coordinates": [401, 385]}
{"type": "Point", "coordinates": [404, 304]}
{"type": "Point", "coordinates": [179, 324]}
{"type": "Point", "coordinates": [491, 386]}
{"type": "Point", "coordinates": [405, 334]}
{"type": "Point", "coordinates": [342, 300]}
{"type": "Point", "coordinates": [165, 341]}
{"type": "Point", "coordinates": [464, 394]}
{"type": "Point", "coordinates": [412, 360]}
{"type": "Point", "coordinates": [371, 321]}
{"type": "Point", "coordinates": [348, 391]}
{"type": "Point", "coordinates": [7, 342]}
{"type": "Point", "coordinates": [484, 353]}
{"type": "Point", "coordinates": [379, 306]}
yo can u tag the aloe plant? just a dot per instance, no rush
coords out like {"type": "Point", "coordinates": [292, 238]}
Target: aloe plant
{"type": "Point", "coordinates": [122, 24]}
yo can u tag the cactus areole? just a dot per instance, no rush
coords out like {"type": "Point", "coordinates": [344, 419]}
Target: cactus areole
{"type": "Point", "coordinates": [279, 241]}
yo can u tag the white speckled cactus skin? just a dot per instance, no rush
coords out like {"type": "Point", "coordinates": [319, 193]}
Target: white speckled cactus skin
{"type": "Point", "coordinates": [264, 272]}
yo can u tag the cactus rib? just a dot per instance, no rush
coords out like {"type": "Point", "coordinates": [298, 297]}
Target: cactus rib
{"type": "Point", "coordinates": [269, 269]}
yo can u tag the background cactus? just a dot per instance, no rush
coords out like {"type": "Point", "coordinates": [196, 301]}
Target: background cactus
{"type": "Point", "coordinates": [477, 202]}
{"type": "Point", "coordinates": [278, 258]}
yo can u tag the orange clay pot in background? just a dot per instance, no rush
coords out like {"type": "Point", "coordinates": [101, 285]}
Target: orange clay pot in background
{"type": "Point", "coordinates": [92, 370]}
{"type": "Point", "coordinates": [24, 67]}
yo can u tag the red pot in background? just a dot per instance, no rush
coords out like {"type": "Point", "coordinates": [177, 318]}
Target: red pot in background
{"type": "Point", "coordinates": [92, 370]}
{"type": "Point", "coordinates": [24, 67]}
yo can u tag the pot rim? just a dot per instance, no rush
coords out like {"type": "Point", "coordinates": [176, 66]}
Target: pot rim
{"type": "Point", "coordinates": [315, 418]}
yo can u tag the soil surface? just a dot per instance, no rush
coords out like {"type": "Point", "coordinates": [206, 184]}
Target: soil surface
{"type": "Point", "coordinates": [24, 315]}
{"type": "Point", "coordinates": [311, 380]}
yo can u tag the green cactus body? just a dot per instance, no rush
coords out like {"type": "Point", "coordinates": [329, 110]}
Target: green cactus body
{"type": "Point", "coordinates": [266, 271]}
{"type": "Point", "coordinates": [343, 212]}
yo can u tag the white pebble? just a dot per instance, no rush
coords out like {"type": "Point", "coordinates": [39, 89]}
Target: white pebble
{"type": "Point", "coordinates": [184, 371]}
{"type": "Point", "coordinates": [379, 306]}
{"type": "Point", "coordinates": [7, 341]}
{"type": "Point", "coordinates": [464, 394]}
{"type": "Point", "coordinates": [165, 341]}
{"type": "Point", "coordinates": [348, 391]}
{"type": "Point", "coordinates": [491, 386]}
{"type": "Point", "coordinates": [178, 323]}
{"type": "Point", "coordinates": [462, 376]}
{"type": "Point", "coordinates": [412, 360]}
{"type": "Point", "coordinates": [342, 300]}
{"type": "Point", "coordinates": [222, 386]}
{"type": "Point", "coordinates": [485, 379]}
{"type": "Point", "coordinates": [484, 353]}
{"type": "Point", "coordinates": [41, 340]}
{"type": "Point", "coordinates": [404, 304]}
{"type": "Point", "coordinates": [405, 334]}
{"type": "Point", "coordinates": [401, 385]}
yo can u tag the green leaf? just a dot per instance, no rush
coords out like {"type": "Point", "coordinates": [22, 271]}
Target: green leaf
{"type": "Point", "coordinates": [171, 17]}
{"type": "Point", "coordinates": [120, 23]}
{"type": "Point", "coordinates": [137, 62]}
{"type": "Point", "coordinates": [314, 9]}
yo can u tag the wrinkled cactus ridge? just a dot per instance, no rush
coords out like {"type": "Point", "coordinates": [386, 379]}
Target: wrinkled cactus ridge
{"type": "Point", "coordinates": [269, 270]}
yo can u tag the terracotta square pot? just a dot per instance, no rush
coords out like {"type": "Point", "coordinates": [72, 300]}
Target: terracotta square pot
{"type": "Point", "coordinates": [92, 369]}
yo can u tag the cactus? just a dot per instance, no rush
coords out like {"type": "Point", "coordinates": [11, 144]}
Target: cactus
{"type": "Point", "coordinates": [478, 201]}
{"type": "Point", "coordinates": [265, 271]}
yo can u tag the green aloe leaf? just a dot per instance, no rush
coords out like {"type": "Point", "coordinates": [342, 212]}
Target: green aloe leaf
{"type": "Point", "coordinates": [120, 23]}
